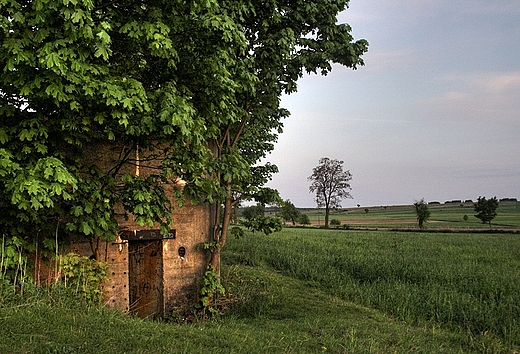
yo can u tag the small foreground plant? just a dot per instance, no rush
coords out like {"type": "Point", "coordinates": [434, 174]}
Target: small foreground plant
{"type": "Point", "coordinates": [83, 274]}
{"type": "Point", "coordinates": [13, 262]}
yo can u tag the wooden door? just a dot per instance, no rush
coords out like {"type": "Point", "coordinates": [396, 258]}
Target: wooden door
{"type": "Point", "coordinates": [145, 277]}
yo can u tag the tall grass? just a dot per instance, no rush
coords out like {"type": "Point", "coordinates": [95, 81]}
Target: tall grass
{"type": "Point", "coordinates": [463, 282]}
{"type": "Point", "coordinates": [300, 311]}
{"type": "Point", "coordinates": [271, 313]}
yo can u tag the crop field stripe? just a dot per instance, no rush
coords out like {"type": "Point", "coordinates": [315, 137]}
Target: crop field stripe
{"type": "Point", "coordinates": [443, 216]}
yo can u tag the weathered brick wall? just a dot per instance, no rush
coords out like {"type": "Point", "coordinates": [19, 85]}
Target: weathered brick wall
{"type": "Point", "coordinates": [116, 289]}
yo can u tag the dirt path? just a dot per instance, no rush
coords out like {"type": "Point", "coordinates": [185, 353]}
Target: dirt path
{"type": "Point", "coordinates": [371, 222]}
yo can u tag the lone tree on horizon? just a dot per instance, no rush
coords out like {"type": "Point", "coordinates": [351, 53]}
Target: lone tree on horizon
{"type": "Point", "coordinates": [422, 211]}
{"type": "Point", "coordinates": [331, 184]}
{"type": "Point", "coordinates": [486, 209]}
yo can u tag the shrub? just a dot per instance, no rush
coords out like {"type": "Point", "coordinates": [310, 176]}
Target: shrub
{"type": "Point", "coordinates": [83, 274]}
{"type": "Point", "coordinates": [423, 214]}
{"type": "Point", "coordinates": [335, 222]}
{"type": "Point", "coordinates": [304, 219]}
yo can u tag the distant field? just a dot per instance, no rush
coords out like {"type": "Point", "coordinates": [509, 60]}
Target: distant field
{"type": "Point", "coordinates": [443, 216]}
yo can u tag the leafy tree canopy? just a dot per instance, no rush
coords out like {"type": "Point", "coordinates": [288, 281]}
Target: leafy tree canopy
{"type": "Point", "coordinates": [486, 209]}
{"type": "Point", "coordinates": [330, 184]}
{"type": "Point", "coordinates": [422, 212]}
{"type": "Point", "coordinates": [196, 83]}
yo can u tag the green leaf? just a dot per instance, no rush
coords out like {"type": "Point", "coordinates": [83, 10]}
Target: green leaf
{"type": "Point", "coordinates": [77, 211]}
{"type": "Point", "coordinates": [89, 207]}
{"type": "Point", "coordinates": [53, 59]}
{"type": "Point", "coordinates": [4, 137]}
{"type": "Point", "coordinates": [85, 228]}
{"type": "Point", "coordinates": [103, 35]}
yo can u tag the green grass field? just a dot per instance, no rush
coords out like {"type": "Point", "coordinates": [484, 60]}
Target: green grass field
{"type": "Point", "coordinates": [466, 283]}
{"type": "Point", "coordinates": [271, 313]}
{"type": "Point", "coordinates": [443, 216]}
{"type": "Point", "coordinates": [312, 291]}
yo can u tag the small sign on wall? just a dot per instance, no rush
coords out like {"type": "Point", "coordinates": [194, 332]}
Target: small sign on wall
{"type": "Point", "coordinates": [146, 235]}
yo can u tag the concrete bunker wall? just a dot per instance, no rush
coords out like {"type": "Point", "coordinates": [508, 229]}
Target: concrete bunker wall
{"type": "Point", "coordinates": [151, 274]}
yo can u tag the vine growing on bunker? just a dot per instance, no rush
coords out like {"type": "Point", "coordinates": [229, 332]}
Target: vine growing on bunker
{"type": "Point", "coordinates": [210, 290]}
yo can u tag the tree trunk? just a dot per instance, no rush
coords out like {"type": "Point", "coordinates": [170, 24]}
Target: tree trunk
{"type": "Point", "coordinates": [95, 249]}
{"type": "Point", "coordinates": [215, 259]}
{"type": "Point", "coordinates": [220, 233]}
{"type": "Point", "coordinates": [327, 217]}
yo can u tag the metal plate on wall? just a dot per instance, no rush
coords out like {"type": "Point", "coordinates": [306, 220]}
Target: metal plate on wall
{"type": "Point", "coordinates": [146, 235]}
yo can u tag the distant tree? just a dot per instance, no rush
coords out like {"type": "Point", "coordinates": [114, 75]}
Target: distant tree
{"type": "Point", "coordinates": [422, 211]}
{"type": "Point", "coordinates": [366, 210]}
{"type": "Point", "coordinates": [288, 212]}
{"type": "Point", "coordinates": [304, 219]}
{"type": "Point", "coordinates": [508, 200]}
{"type": "Point", "coordinates": [486, 209]}
{"type": "Point", "coordinates": [330, 183]}
{"type": "Point", "coordinates": [234, 213]}
{"type": "Point", "coordinates": [250, 212]}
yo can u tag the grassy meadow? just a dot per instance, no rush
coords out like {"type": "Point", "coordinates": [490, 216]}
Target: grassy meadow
{"type": "Point", "coordinates": [443, 216]}
{"type": "Point", "coordinates": [313, 291]}
{"type": "Point", "coordinates": [464, 283]}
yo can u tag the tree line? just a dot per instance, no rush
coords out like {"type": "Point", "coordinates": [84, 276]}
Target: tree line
{"type": "Point", "coordinates": [331, 184]}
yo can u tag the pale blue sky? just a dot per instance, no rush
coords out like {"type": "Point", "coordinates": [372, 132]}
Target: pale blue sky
{"type": "Point", "coordinates": [433, 114]}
